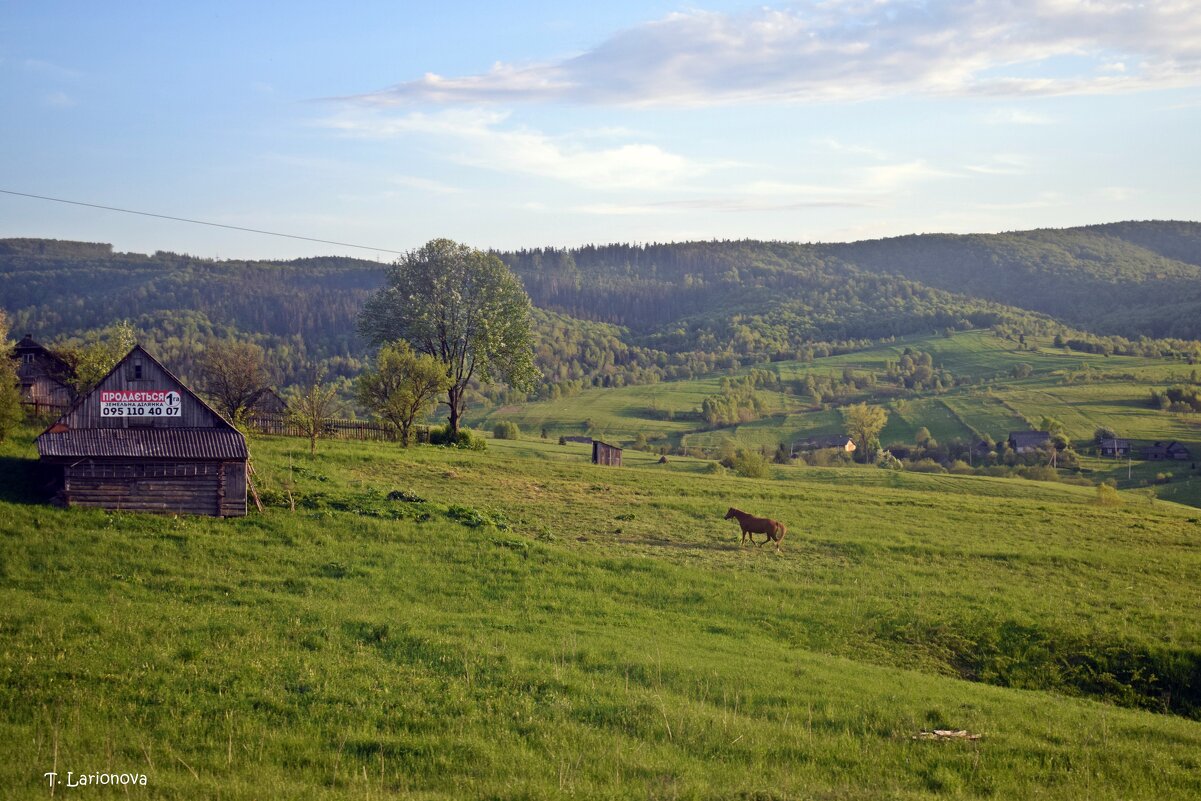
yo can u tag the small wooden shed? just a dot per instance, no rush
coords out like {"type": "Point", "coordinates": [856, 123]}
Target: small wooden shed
{"type": "Point", "coordinates": [604, 453]}
{"type": "Point", "coordinates": [142, 441]}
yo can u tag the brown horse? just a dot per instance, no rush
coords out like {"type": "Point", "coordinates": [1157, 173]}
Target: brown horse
{"type": "Point", "coordinates": [774, 529]}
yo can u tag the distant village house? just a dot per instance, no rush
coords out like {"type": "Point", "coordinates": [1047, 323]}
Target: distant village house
{"type": "Point", "coordinates": [1029, 441]}
{"type": "Point", "coordinates": [43, 376]}
{"type": "Point", "coordinates": [1113, 448]}
{"type": "Point", "coordinates": [267, 401]}
{"type": "Point", "coordinates": [1161, 451]}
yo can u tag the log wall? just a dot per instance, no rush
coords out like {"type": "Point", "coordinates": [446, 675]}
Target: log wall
{"type": "Point", "coordinates": [199, 488]}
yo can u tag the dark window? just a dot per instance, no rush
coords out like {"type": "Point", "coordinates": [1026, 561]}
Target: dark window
{"type": "Point", "coordinates": [137, 370]}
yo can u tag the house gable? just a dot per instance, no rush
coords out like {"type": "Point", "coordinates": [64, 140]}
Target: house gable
{"type": "Point", "coordinates": [137, 393]}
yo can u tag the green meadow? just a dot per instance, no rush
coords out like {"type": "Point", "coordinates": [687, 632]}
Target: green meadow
{"type": "Point", "coordinates": [518, 623]}
{"type": "Point", "coordinates": [1083, 391]}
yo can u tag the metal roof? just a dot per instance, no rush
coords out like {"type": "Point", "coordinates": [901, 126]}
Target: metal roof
{"type": "Point", "coordinates": [149, 443]}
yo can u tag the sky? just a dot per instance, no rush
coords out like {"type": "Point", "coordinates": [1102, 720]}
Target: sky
{"type": "Point", "coordinates": [532, 123]}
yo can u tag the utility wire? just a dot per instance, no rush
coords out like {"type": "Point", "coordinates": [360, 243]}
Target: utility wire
{"type": "Point", "coordinates": [199, 222]}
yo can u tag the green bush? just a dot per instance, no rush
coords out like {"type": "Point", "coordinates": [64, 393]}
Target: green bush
{"type": "Point", "coordinates": [1107, 495]}
{"type": "Point", "coordinates": [1039, 473]}
{"type": "Point", "coordinates": [889, 462]}
{"type": "Point", "coordinates": [506, 429]}
{"type": "Point", "coordinates": [750, 464]}
{"type": "Point", "coordinates": [466, 439]}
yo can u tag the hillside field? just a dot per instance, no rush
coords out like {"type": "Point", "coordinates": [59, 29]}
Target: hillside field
{"type": "Point", "coordinates": [1084, 391]}
{"type": "Point", "coordinates": [518, 623]}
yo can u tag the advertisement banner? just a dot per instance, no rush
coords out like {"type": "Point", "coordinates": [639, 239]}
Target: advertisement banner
{"type": "Point", "coordinates": [139, 403]}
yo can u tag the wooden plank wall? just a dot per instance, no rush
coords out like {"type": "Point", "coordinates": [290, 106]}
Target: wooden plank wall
{"type": "Point", "coordinates": [199, 488]}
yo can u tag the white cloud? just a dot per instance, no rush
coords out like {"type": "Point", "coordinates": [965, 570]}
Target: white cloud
{"type": "Point", "coordinates": [481, 139]}
{"type": "Point", "coordinates": [838, 146]}
{"type": "Point", "coordinates": [50, 69]}
{"type": "Point", "coordinates": [425, 184]}
{"type": "Point", "coordinates": [846, 50]}
{"type": "Point", "coordinates": [1016, 116]}
{"type": "Point", "coordinates": [1001, 164]}
{"type": "Point", "coordinates": [1118, 194]}
{"type": "Point", "coordinates": [59, 100]}
{"type": "Point", "coordinates": [893, 177]}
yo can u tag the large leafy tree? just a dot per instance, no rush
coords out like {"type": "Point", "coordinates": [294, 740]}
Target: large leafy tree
{"type": "Point", "coordinates": [464, 308]}
{"type": "Point", "coordinates": [100, 350]}
{"type": "Point", "coordinates": [11, 411]}
{"type": "Point", "coordinates": [401, 386]}
{"type": "Point", "coordinates": [863, 424]}
{"type": "Point", "coordinates": [231, 374]}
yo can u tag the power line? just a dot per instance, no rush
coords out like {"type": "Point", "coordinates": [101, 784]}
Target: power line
{"type": "Point", "coordinates": [200, 222]}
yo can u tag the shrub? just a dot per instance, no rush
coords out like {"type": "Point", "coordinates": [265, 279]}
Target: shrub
{"type": "Point", "coordinates": [1039, 473]}
{"type": "Point", "coordinates": [715, 469]}
{"type": "Point", "coordinates": [827, 457]}
{"type": "Point", "coordinates": [466, 439]}
{"type": "Point", "coordinates": [889, 462]}
{"type": "Point", "coordinates": [506, 429]}
{"type": "Point", "coordinates": [925, 466]}
{"type": "Point", "coordinates": [1107, 495]}
{"type": "Point", "coordinates": [750, 464]}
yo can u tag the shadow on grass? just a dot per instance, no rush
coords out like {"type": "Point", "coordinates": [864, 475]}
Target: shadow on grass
{"type": "Point", "coordinates": [23, 481]}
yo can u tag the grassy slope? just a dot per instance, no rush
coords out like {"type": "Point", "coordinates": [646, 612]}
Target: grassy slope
{"type": "Point", "coordinates": [611, 640]}
{"type": "Point", "coordinates": [1081, 390]}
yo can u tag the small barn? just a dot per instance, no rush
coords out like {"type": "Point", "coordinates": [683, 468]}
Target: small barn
{"type": "Point", "coordinates": [43, 376]}
{"type": "Point", "coordinates": [142, 441]}
{"type": "Point", "coordinates": [604, 453]}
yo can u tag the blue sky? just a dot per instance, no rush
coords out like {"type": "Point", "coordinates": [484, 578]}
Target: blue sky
{"type": "Point", "coordinates": [546, 123]}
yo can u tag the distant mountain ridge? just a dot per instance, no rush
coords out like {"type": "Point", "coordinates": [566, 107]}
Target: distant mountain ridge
{"type": "Point", "coordinates": [646, 305]}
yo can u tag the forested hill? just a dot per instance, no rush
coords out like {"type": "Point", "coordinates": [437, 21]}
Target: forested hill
{"type": "Point", "coordinates": [670, 308]}
{"type": "Point", "coordinates": [1133, 279]}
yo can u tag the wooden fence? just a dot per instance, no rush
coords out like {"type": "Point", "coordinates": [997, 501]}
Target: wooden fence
{"type": "Point", "coordinates": [279, 425]}
{"type": "Point", "coordinates": [37, 409]}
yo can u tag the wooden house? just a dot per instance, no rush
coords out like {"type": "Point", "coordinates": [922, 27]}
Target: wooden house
{"type": "Point", "coordinates": [1167, 450]}
{"type": "Point", "coordinates": [267, 401]}
{"type": "Point", "coordinates": [1029, 441]}
{"type": "Point", "coordinates": [1113, 448]}
{"type": "Point", "coordinates": [43, 376]}
{"type": "Point", "coordinates": [604, 453]}
{"type": "Point", "coordinates": [142, 441]}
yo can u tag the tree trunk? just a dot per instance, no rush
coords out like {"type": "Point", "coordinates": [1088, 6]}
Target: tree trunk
{"type": "Point", "coordinates": [455, 396]}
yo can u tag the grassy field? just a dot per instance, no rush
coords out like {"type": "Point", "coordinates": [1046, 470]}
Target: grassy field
{"type": "Point", "coordinates": [526, 625]}
{"type": "Point", "coordinates": [1082, 391]}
